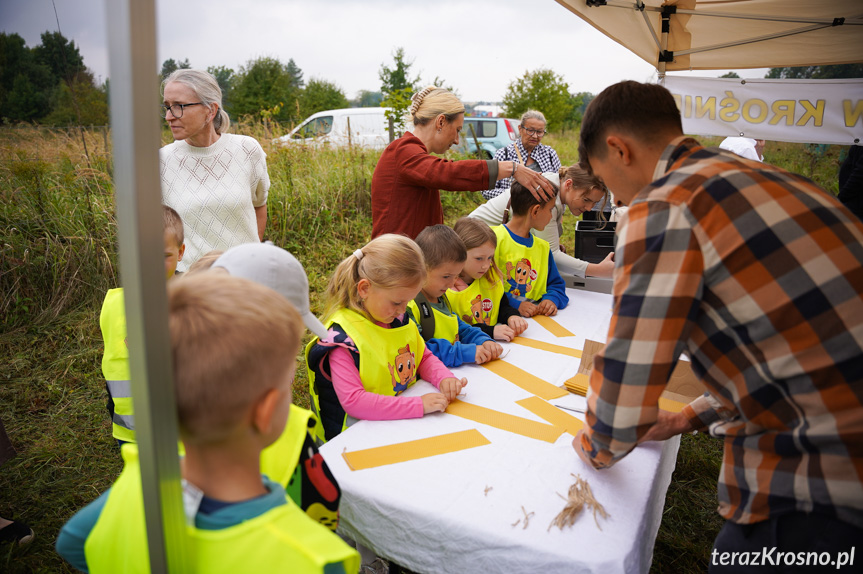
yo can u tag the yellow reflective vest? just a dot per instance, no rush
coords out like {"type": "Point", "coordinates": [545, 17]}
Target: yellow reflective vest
{"type": "Point", "coordinates": [115, 364]}
{"type": "Point", "coordinates": [283, 539]}
{"type": "Point", "coordinates": [389, 360]}
{"type": "Point", "coordinates": [479, 304]}
{"type": "Point", "coordinates": [445, 326]}
{"type": "Point", "coordinates": [525, 269]}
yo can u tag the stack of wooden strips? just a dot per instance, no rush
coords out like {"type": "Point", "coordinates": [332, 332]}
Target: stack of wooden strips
{"type": "Point", "coordinates": [577, 384]}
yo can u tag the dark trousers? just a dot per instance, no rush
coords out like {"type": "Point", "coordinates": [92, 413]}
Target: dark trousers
{"type": "Point", "coordinates": [796, 542]}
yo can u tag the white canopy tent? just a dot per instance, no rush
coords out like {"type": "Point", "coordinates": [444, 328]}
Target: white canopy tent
{"type": "Point", "coordinates": [675, 35]}
{"type": "Point", "coordinates": [679, 35]}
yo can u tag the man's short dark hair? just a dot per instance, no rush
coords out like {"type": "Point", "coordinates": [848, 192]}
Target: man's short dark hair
{"type": "Point", "coordinates": [440, 245]}
{"type": "Point", "coordinates": [521, 199]}
{"type": "Point", "coordinates": [645, 111]}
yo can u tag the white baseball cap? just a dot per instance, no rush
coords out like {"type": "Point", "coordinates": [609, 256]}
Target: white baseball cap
{"type": "Point", "coordinates": [552, 176]}
{"type": "Point", "coordinates": [273, 267]}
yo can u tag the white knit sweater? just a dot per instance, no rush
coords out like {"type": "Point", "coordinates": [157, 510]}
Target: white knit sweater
{"type": "Point", "coordinates": [215, 190]}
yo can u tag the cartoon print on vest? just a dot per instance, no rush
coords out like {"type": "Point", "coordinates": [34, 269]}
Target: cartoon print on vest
{"type": "Point", "coordinates": [523, 273]}
{"type": "Point", "coordinates": [405, 366]}
{"type": "Point", "coordinates": [480, 311]}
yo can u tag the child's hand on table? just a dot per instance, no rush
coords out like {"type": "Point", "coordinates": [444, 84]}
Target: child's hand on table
{"type": "Point", "coordinates": [504, 333]}
{"type": "Point", "coordinates": [434, 402]}
{"type": "Point", "coordinates": [546, 307]}
{"type": "Point", "coordinates": [483, 355]}
{"type": "Point", "coordinates": [494, 348]}
{"type": "Point", "coordinates": [527, 309]}
{"type": "Point", "coordinates": [517, 324]}
{"type": "Point", "coordinates": [451, 387]}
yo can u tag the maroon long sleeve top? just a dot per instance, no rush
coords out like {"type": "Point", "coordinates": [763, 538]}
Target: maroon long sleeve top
{"type": "Point", "coordinates": [406, 184]}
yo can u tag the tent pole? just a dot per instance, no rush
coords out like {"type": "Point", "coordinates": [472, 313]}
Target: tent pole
{"type": "Point", "coordinates": [664, 55]}
{"type": "Point", "coordinates": [132, 42]}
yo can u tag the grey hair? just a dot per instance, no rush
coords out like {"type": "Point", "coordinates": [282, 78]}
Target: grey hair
{"type": "Point", "coordinates": [207, 90]}
{"type": "Point", "coordinates": [533, 115]}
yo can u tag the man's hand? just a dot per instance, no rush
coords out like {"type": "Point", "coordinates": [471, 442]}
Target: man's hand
{"type": "Point", "coordinates": [667, 425]}
{"type": "Point", "coordinates": [576, 445]}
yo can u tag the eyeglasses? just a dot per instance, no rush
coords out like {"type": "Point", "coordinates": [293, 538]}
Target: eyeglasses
{"type": "Point", "coordinates": [177, 109]}
{"type": "Point", "coordinates": [533, 132]}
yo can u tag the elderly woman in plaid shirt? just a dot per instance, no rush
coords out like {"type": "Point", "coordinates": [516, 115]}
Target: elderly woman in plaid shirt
{"type": "Point", "coordinates": [757, 275]}
{"type": "Point", "coordinates": [526, 151]}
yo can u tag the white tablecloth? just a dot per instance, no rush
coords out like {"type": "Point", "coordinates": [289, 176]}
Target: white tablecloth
{"type": "Point", "coordinates": [434, 514]}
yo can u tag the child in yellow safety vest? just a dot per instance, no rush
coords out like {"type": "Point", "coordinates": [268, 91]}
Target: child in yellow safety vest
{"type": "Point", "coordinates": [235, 344]}
{"type": "Point", "coordinates": [112, 322]}
{"type": "Point", "coordinates": [478, 295]}
{"type": "Point", "coordinates": [531, 279]}
{"type": "Point", "coordinates": [366, 301]}
{"type": "Point", "coordinates": [450, 339]}
{"type": "Point", "coordinates": [293, 460]}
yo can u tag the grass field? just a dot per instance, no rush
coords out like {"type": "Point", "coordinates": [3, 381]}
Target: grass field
{"type": "Point", "coordinates": [58, 257]}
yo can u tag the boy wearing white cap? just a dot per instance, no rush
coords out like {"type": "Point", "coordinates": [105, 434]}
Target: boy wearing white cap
{"type": "Point", "coordinates": [293, 460]}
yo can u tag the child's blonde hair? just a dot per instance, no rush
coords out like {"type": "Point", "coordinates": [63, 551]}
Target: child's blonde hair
{"type": "Point", "coordinates": [389, 261]}
{"type": "Point", "coordinates": [475, 233]}
{"type": "Point", "coordinates": [232, 340]}
{"type": "Point", "coordinates": [172, 222]}
{"type": "Point", "coordinates": [205, 262]}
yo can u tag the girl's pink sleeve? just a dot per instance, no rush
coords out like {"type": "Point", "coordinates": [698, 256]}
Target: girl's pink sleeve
{"type": "Point", "coordinates": [432, 369]}
{"type": "Point", "coordinates": [362, 404]}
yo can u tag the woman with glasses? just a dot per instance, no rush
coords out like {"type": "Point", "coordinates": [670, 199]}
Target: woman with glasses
{"type": "Point", "coordinates": [216, 181]}
{"type": "Point", "coordinates": [526, 151]}
{"type": "Point", "coordinates": [579, 191]}
{"type": "Point", "coordinates": [407, 178]}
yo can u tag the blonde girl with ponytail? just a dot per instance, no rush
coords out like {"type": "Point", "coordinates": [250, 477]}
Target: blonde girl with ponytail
{"type": "Point", "coordinates": [366, 301]}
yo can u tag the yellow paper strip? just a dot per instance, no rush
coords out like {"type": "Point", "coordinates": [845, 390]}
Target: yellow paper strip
{"type": "Point", "coordinates": [532, 384]}
{"type": "Point", "coordinates": [671, 405]}
{"type": "Point", "coordinates": [550, 347]}
{"type": "Point", "coordinates": [578, 384]}
{"type": "Point", "coordinates": [504, 421]}
{"type": "Point", "coordinates": [551, 414]}
{"type": "Point", "coordinates": [414, 449]}
{"type": "Point", "coordinates": [553, 326]}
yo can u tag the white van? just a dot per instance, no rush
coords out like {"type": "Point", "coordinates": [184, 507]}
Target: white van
{"type": "Point", "coordinates": [363, 127]}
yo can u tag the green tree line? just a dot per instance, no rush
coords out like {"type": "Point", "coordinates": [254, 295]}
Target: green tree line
{"type": "Point", "coordinates": [48, 83]}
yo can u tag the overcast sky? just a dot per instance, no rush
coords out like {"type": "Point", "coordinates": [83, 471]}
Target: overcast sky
{"type": "Point", "coordinates": [476, 46]}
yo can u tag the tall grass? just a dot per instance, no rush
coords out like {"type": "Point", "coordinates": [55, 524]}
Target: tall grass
{"type": "Point", "coordinates": [58, 258]}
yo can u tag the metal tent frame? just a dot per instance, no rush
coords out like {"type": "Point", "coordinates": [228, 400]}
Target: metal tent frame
{"type": "Point", "coordinates": [135, 130]}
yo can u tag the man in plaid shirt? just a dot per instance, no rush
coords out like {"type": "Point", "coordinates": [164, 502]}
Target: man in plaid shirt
{"type": "Point", "coordinates": [757, 275]}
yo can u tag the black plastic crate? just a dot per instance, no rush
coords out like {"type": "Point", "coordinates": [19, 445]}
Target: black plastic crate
{"type": "Point", "coordinates": [591, 243]}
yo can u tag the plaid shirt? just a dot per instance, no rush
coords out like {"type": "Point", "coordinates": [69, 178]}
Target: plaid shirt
{"type": "Point", "coordinates": [757, 274]}
{"type": "Point", "coordinates": [544, 156]}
